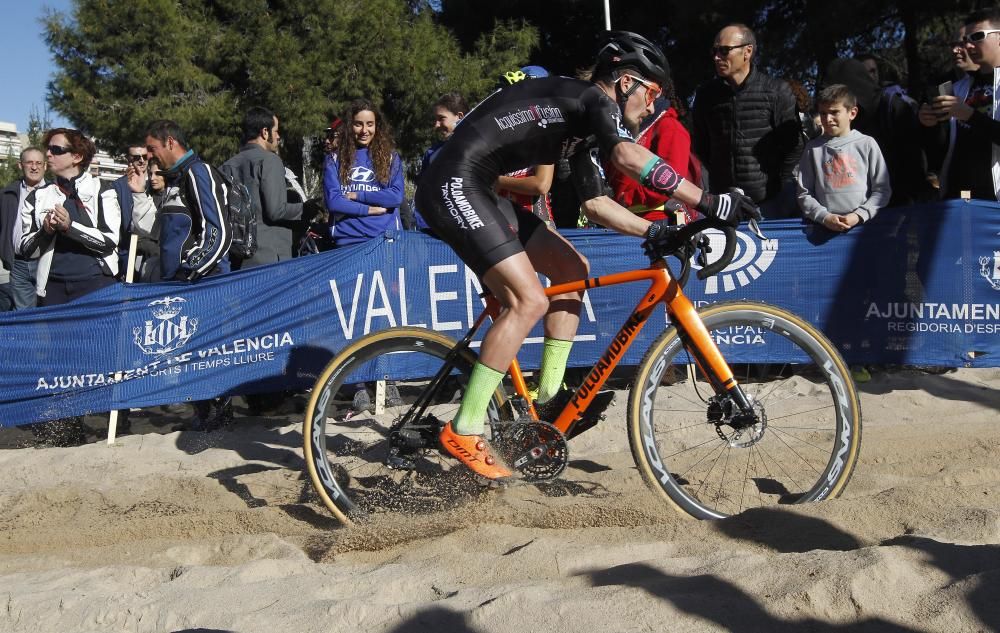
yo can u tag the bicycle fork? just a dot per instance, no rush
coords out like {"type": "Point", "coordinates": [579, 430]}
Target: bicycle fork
{"type": "Point", "coordinates": [699, 343]}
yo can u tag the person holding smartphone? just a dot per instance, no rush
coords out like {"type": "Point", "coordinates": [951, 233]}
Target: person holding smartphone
{"type": "Point", "coordinates": [964, 117]}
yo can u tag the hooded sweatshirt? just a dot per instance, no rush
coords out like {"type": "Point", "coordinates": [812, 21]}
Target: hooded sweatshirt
{"type": "Point", "coordinates": [892, 121]}
{"type": "Point", "coordinates": [842, 174]}
{"type": "Point", "coordinates": [350, 221]}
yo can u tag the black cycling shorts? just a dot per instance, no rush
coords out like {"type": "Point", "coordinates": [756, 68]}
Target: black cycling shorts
{"type": "Point", "coordinates": [482, 228]}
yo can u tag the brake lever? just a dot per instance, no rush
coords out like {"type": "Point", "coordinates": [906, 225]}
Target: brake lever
{"type": "Point", "coordinates": [703, 246]}
{"type": "Point", "coordinates": [755, 229]}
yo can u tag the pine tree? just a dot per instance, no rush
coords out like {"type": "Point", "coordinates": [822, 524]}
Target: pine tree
{"type": "Point", "coordinates": [122, 64]}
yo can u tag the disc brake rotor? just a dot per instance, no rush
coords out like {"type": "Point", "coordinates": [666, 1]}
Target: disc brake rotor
{"type": "Point", "coordinates": [739, 435]}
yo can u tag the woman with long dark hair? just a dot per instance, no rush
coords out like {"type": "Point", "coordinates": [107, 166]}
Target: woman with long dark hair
{"type": "Point", "coordinates": [363, 181]}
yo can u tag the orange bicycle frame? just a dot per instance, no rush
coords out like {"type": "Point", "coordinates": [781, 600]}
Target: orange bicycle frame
{"type": "Point", "coordinates": [663, 287]}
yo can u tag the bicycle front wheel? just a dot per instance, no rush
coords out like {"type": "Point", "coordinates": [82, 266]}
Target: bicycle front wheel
{"type": "Point", "coordinates": [805, 445]}
{"type": "Point", "coordinates": [358, 461]}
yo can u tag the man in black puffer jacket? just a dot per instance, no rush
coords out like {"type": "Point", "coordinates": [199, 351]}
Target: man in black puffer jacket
{"type": "Point", "coordinates": [746, 129]}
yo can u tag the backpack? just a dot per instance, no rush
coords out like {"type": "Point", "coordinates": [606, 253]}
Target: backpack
{"type": "Point", "coordinates": [241, 216]}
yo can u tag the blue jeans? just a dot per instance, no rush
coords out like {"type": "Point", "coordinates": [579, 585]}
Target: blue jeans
{"type": "Point", "coordinates": [22, 283]}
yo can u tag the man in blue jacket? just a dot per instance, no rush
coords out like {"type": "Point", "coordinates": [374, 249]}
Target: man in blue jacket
{"type": "Point", "coordinates": [191, 225]}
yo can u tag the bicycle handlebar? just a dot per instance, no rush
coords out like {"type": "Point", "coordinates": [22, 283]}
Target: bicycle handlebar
{"type": "Point", "coordinates": [681, 244]}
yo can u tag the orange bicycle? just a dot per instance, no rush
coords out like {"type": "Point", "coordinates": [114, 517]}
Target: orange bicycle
{"type": "Point", "coordinates": [788, 431]}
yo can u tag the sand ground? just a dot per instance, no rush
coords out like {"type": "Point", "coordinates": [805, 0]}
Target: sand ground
{"type": "Point", "coordinates": [182, 531]}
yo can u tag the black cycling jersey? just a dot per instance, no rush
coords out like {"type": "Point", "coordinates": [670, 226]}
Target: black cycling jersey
{"type": "Point", "coordinates": [533, 122]}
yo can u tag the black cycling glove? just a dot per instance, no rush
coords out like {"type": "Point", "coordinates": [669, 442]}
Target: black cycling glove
{"type": "Point", "coordinates": [733, 207]}
{"type": "Point", "coordinates": [658, 229]}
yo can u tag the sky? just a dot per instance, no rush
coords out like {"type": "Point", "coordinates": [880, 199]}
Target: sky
{"type": "Point", "coordinates": [25, 60]}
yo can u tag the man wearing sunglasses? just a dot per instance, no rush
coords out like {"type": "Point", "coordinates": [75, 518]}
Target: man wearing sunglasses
{"type": "Point", "coordinates": [540, 122]}
{"type": "Point", "coordinates": [972, 158]}
{"type": "Point", "coordinates": [746, 129]}
{"type": "Point", "coordinates": [137, 161]}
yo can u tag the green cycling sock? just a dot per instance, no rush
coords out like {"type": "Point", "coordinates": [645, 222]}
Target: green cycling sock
{"type": "Point", "coordinates": [471, 416]}
{"type": "Point", "coordinates": [554, 357]}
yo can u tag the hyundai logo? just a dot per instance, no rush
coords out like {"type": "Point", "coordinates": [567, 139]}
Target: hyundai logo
{"type": "Point", "coordinates": [362, 174]}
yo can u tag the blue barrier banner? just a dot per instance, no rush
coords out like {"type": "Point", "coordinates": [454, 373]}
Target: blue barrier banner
{"type": "Point", "coordinates": [919, 285]}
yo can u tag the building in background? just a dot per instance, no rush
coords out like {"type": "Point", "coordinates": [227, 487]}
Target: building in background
{"type": "Point", "coordinates": [10, 140]}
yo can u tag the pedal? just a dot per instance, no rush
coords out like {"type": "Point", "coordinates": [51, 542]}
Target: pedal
{"type": "Point", "coordinates": [536, 450]}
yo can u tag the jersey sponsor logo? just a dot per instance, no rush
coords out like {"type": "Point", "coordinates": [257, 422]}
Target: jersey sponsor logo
{"type": "Point", "coordinates": [990, 270]}
{"type": "Point", "coordinates": [167, 330]}
{"type": "Point", "coordinates": [540, 115]}
{"type": "Point", "coordinates": [569, 146]}
{"type": "Point", "coordinates": [622, 132]}
{"type": "Point", "coordinates": [595, 158]}
{"type": "Point", "coordinates": [749, 263]}
{"type": "Point", "coordinates": [459, 206]}
{"type": "Point", "coordinates": [362, 174]}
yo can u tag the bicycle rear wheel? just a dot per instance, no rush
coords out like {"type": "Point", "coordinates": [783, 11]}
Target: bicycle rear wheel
{"type": "Point", "coordinates": [804, 448]}
{"type": "Point", "coordinates": [357, 461]}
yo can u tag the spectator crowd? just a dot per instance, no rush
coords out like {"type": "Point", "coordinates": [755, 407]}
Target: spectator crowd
{"type": "Point", "coordinates": [862, 144]}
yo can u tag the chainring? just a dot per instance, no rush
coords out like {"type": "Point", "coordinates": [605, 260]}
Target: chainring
{"type": "Point", "coordinates": [536, 450]}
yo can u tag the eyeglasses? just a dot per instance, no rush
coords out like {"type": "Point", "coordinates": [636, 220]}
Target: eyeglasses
{"type": "Point", "coordinates": [33, 163]}
{"type": "Point", "coordinates": [723, 51]}
{"type": "Point", "coordinates": [978, 36]}
{"type": "Point", "coordinates": [59, 150]}
{"type": "Point", "coordinates": [137, 158]}
{"type": "Point", "coordinates": [653, 89]}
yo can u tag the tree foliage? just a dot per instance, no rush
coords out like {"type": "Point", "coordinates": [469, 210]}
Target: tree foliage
{"type": "Point", "coordinates": [122, 64]}
{"type": "Point", "coordinates": [38, 122]}
{"type": "Point", "coordinates": [797, 38]}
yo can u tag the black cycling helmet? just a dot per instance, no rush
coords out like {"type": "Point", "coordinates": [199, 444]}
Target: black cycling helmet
{"type": "Point", "coordinates": [624, 49]}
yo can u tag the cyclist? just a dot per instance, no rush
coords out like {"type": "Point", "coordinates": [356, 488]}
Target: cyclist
{"type": "Point", "coordinates": [540, 122]}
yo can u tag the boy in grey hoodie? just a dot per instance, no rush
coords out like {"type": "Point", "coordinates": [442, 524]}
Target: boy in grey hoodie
{"type": "Point", "coordinates": [842, 177]}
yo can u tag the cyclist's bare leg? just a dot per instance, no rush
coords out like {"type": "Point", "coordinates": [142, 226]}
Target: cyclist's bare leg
{"type": "Point", "coordinates": [516, 286]}
{"type": "Point", "coordinates": [553, 256]}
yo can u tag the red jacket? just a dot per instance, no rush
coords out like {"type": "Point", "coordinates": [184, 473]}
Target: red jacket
{"type": "Point", "coordinates": [667, 138]}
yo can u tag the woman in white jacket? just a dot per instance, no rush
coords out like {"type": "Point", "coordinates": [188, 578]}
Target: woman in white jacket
{"type": "Point", "coordinates": [73, 223]}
